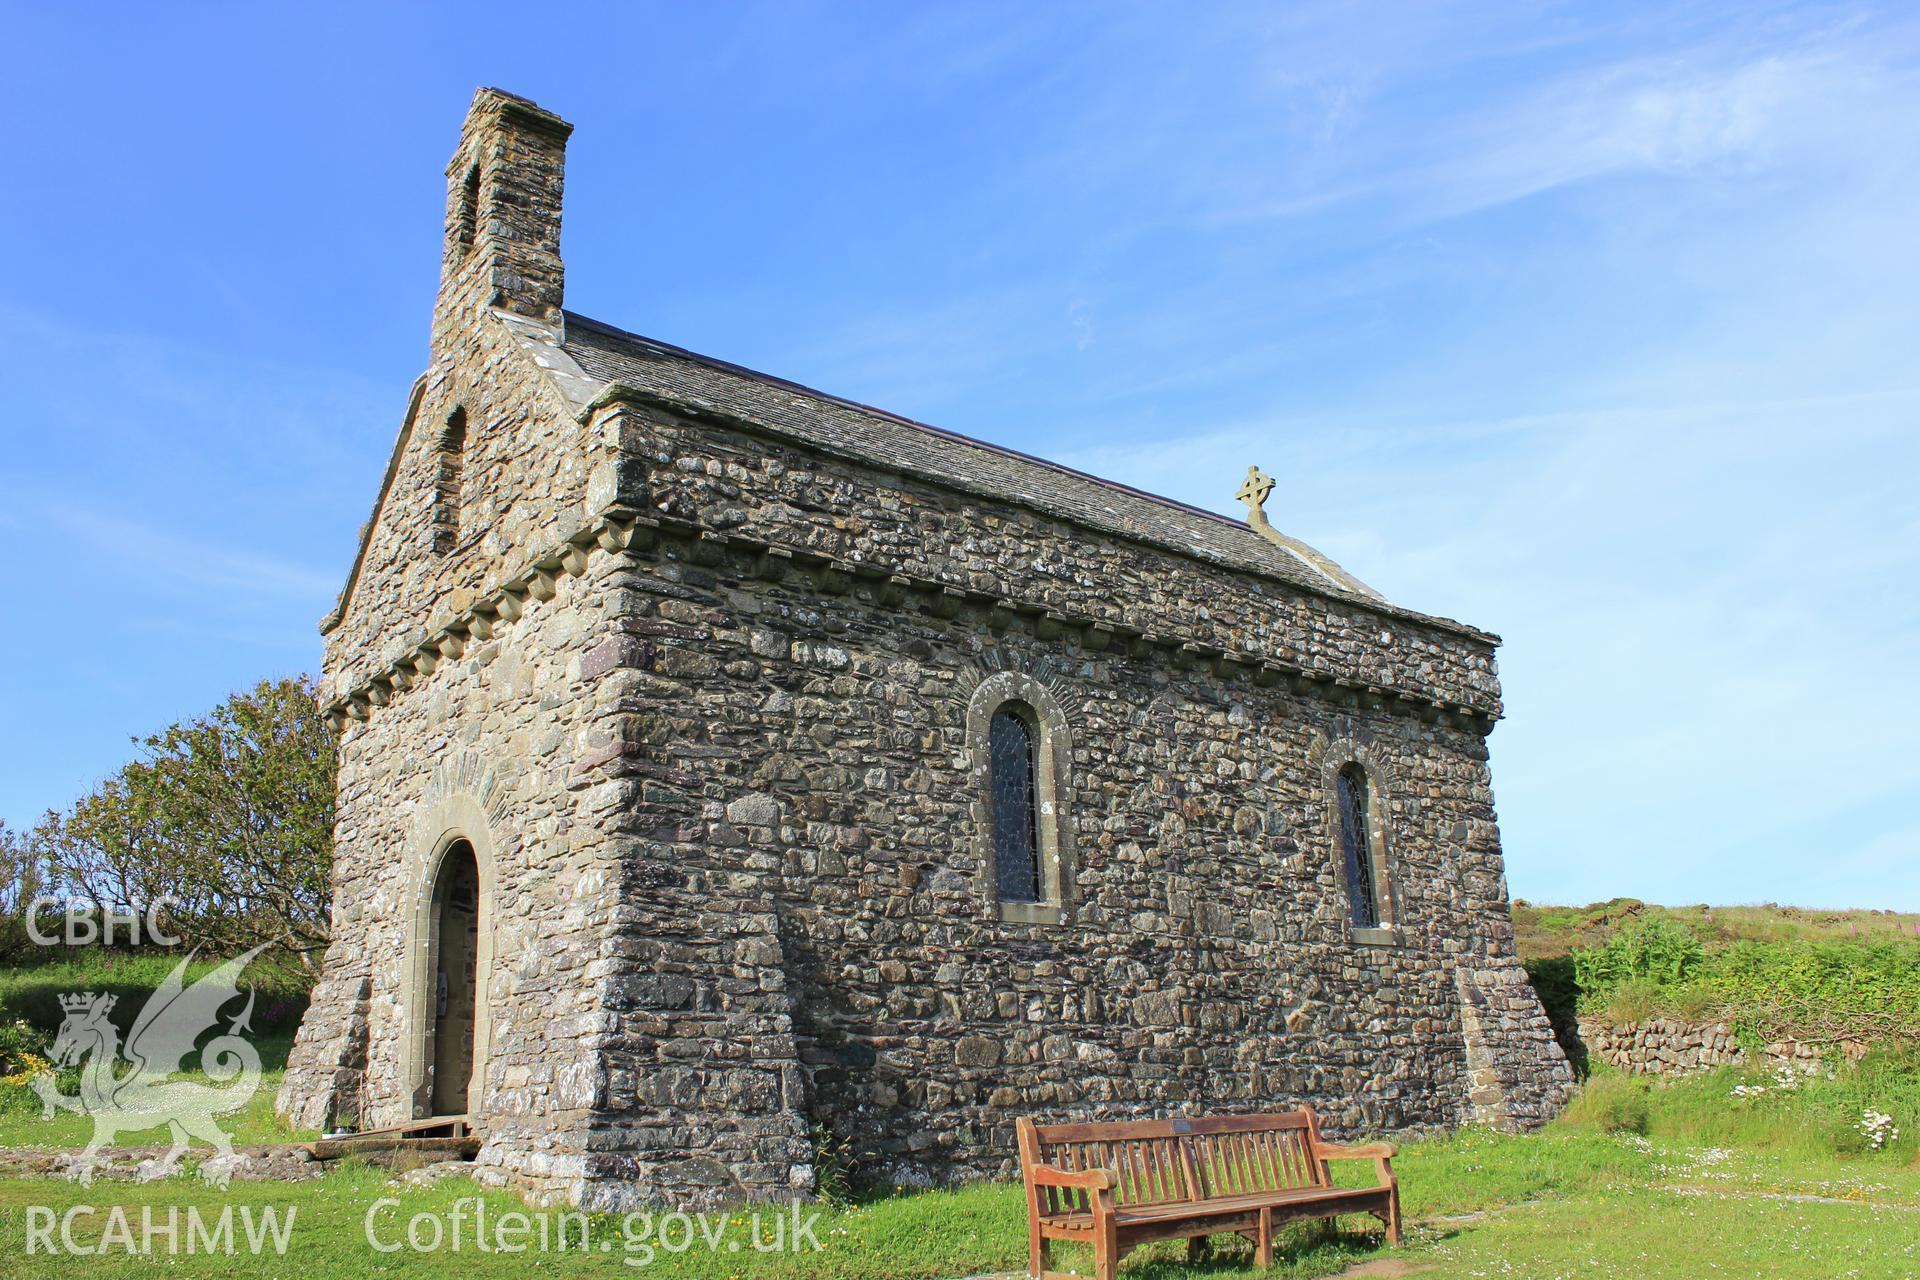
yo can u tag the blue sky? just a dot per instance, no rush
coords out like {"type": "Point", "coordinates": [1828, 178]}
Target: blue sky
{"type": "Point", "coordinates": [1595, 326]}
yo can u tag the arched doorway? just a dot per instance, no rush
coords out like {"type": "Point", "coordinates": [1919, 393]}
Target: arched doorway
{"type": "Point", "coordinates": [454, 946]}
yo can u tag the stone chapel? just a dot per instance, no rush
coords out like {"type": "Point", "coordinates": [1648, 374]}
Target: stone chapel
{"type": "Point", "coordinates": [720, 758]}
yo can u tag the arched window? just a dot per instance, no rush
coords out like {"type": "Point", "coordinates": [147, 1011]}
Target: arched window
{"type": "Point", "coordinates": [1016, 829]}
{"type": "Point", "coordinates": [1017, 740]}
{"type": "Point", "coordinates": [1357, 847]}
{"type": "Point", "coordinates": [449, 459]}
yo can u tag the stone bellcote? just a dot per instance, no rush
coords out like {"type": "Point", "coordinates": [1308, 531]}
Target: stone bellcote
{"type": "Point", "coordinates": [504, 187]}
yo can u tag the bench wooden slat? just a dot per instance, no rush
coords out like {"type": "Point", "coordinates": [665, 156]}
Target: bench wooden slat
{"type": "Point", "coordinates": [1243, 1124]}
{"type": "Point", "coordinates": [1280, 1157]}
{"type": "Point", "coordinates": [1250, 1179]}
{"type": "Point", "coordinates": [1173, 1182]}
{"type": "Point", "coordinates": [1228, 1181]}
{"type": "Point", "coordinates": [1265, 1169]}
{"type": "Point", "coordinates": [1311, 1170]}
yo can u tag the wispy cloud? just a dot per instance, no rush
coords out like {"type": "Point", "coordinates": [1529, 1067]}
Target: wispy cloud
{"type": "Point", "coordinates": [1677, 117]}
{"type": "Point", "coordinates": [169, 560]}
{"type": "Point", "coordinates": [184, 512]}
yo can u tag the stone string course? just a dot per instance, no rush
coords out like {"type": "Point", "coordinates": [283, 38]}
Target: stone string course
{"type": "Point", "coordinates": [620, 528]}
{"type": "Point", "coordinates": [698, 696]}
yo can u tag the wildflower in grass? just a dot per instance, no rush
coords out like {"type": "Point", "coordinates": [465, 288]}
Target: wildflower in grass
{"type": "Point", "coordinates": [31, 1065]}
{"type": "Point", "coordinates": [1878, 1129]}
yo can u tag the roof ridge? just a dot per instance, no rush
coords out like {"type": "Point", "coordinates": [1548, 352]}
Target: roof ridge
{"type": "Point", "coordinates": [772, 379]}
{"type": "Point", "coordinates": [591, 343]}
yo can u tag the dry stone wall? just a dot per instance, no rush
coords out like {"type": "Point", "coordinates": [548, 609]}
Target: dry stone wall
{"type": "Point", "coordinates": [1674, 1047]}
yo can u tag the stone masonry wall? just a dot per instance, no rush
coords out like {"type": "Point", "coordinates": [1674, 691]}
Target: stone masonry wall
{"type": "Point", "coordinates": [781, 803]}
{"type": "Point", "coordinates": [486, 718]}
{"type": "Point", "coordinates": [726, 478]}
{"type": "Point", "coordinates": [639, 1036]}
{"type": "Point", "coordinates": [466, 726]}
{"type": "Point", "coordinates": [525, 466]}
{"type": "Point", "coordinates": [1206, 961]}
{"type": "Point", "coordinates": [478, 747]}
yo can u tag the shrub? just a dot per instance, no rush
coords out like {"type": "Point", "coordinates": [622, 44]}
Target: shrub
{"type": "Point", "coordinates": [1823, 990]}
{"type": "Point", "coordinates": [228, 818]}
{"type": "Point", "coordinates": [23, 877]}
{"type": "Point", "coordinates": [23, 1050]}
{"type": "Point", "coordinates": [1868, 990]}
{"type": "Point", "coordinates": [1652, 949]}
{"type": "Point", "coordinates": [1817, 1109]}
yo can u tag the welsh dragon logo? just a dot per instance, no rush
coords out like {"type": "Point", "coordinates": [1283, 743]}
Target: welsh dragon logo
{"type": "Point", "coordinates": [167, 1029]}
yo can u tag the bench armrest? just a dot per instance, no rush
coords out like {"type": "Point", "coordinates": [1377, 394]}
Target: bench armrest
{"type": "Point", "coordinates": [1343, 1151]}
{"type": "Point", "coordinates": [1045, 1175]}
{"type": "Point", "coordinates": [1381, 1153]}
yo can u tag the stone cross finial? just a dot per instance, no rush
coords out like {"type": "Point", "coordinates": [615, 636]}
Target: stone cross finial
{"type": "Point", "coordinates": [1253, 492]}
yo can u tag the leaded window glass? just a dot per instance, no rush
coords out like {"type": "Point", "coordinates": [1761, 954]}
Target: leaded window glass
{"type": "Point", "coordinates": [1016, 848]}
{"type": "Point", "coordinates": [1356, 848]}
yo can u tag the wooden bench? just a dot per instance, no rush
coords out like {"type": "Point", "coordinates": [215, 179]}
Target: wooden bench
{"type": "Point", "coordinates": [1122, 1184]}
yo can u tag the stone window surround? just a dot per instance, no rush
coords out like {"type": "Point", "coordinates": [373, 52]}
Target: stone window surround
{"type": "Point", "coordinates": [1053, 774]}
{"type": "Point", "coordinates": [459, 817]}
{"type": "Point", "coordinates": [1339, 755]}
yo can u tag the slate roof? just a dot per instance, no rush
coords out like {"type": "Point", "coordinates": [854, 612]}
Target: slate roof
{"type": "Point", "coordinates": [842, 427]}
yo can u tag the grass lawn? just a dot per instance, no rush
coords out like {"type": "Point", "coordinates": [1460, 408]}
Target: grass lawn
{"type": "Point", "coordinates": [22, 1126]}
{"type": "Point", "coordinates": [1681, 1180]}
{"type": "Point", "coordinates": [1565, 1202]}
{"type": "Point", "coordinates": [32, 994]}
